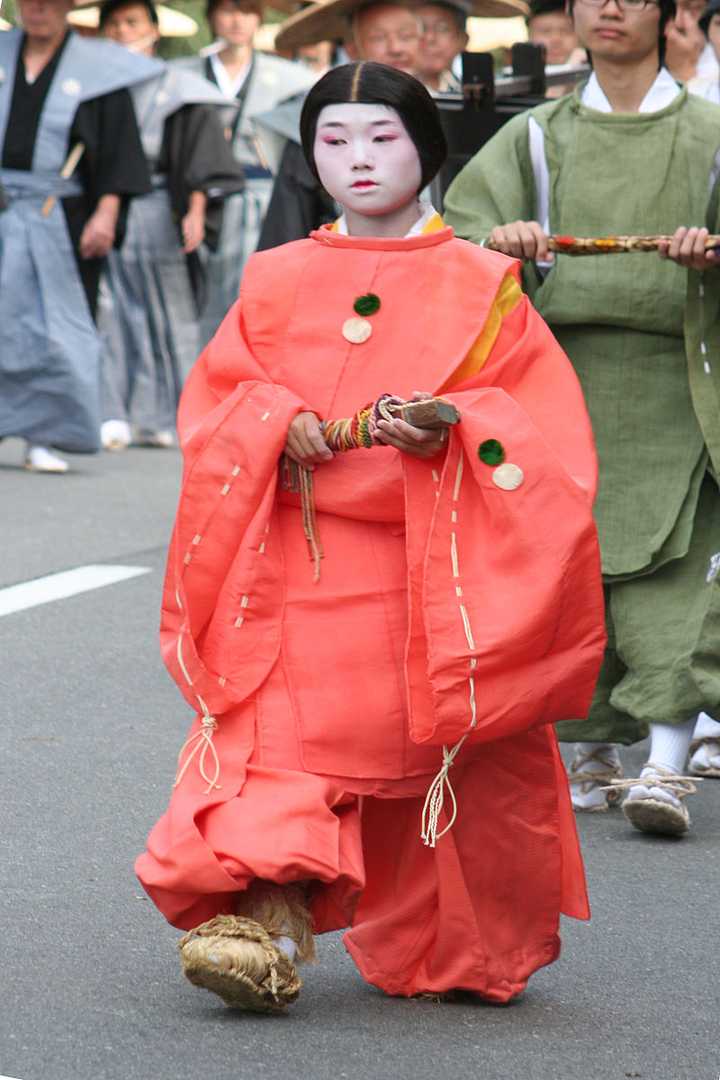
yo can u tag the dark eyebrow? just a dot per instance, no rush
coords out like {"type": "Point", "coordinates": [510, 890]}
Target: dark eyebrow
{"type": "Point", "coordinates": [337, 124]}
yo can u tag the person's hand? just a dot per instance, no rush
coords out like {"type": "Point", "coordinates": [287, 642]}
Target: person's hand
{"type": "Point", "coordinates": [305, 442]}
{"type": "Point", "coordinates": [98, 236]}
{"type": "Point", "coordinates": [192, 228]}
{"type": "Point", "coordinates": [687, 248]}
{"type": "Point", "coordinates": [578, 56]}
{"type": "Point", "coordinates": [522, 240]}
{"type": "Point", "coordinates": [684, 44]}
{"type": "Point", "coordinates": [419, 442]}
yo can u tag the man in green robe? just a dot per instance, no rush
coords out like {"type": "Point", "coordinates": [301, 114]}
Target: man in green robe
{"type": "Point", "coordinates": [629, 153]}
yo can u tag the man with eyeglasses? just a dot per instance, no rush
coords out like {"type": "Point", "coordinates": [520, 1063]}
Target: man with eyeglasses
{"type": "Point", "coordinates": [443, 39]}
{"type": "Point", "coordinates": [630, 152]}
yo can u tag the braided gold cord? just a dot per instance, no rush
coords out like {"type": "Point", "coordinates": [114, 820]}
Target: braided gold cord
{"type": "Point", "coordinates": [610, 245]}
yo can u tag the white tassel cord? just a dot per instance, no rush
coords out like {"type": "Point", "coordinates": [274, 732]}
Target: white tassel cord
{"type": "Point", "coordinates": [435, 799]}
{"type": "Point", "coordinates": [201, 745]}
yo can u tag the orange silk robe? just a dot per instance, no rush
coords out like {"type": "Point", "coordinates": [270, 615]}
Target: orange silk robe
{"type": "Point", "coordinates": [445, 606]}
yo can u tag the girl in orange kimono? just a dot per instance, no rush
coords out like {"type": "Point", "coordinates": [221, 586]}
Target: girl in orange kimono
{"type": "Point", "coordinates": [373, 746]}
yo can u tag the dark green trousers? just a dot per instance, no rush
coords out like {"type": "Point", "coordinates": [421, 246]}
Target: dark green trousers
{"type": "Point", "coordinates": [662, 663]}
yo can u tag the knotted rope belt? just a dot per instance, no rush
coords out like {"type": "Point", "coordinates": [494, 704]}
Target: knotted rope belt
{"type": "Point", "coordinates": [354, 433]}
{"type": "Point", "coordinates": [610, 245]}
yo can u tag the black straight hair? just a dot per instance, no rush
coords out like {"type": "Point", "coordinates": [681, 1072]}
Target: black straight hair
{"type": "Point", "coordinates": [367, 83]}
{"type": "Point", "coordinates": [253, 6]}
{"type": "Point", "coordinates": [111, 6]}
{"type": "Point", "coordinates": [544, 7]}
{"type": "Point", "coordinates": [712, 9]}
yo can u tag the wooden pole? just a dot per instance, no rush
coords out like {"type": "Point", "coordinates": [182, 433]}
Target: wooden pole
{"type": "Point", "coordinates": [611, 245]}
{"type": "Point", "coordinates": [71, 164]}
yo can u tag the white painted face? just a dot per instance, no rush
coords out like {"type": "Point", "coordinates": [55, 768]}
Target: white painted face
{"type": "Point", "coordinates": [365, 158]}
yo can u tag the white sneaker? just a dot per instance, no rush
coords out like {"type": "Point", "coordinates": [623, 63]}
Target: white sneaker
{"type": "Point", "coordinates": [162, 440]}
{"type": "Point", "coordinates": [115, 434]}
{"type": "Point", "coordinates": [40, 459]}
{"type": "Point", "coordinates": [590, 771]}
{"type": "Point", "coordinates": [653, 803]}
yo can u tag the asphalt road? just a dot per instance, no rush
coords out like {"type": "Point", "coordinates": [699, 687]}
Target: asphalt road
{"type": "Point", "coordinates": [89, 981]}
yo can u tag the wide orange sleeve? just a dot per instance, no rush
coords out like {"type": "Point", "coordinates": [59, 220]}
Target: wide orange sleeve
{"type": "Point", "coordinates": [505, 595]}
{"type": "Point", "coordinates": [233, 424]}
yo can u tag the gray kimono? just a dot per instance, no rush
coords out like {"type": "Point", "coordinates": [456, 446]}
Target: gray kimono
{"type": "Point", "coordinates": [49, 347]}
{"type": "Point", "coordinates": [270, 81]}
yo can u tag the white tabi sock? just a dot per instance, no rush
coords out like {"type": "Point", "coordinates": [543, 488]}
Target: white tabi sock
{"type": "Point", "coordinates": [706, 757]}
{"type": "Point", "coordinates": [589, 758]}
{"type": "Point", "coordinates": [706, 727]}
{"type": "Point", "coordinates": [669, 745]}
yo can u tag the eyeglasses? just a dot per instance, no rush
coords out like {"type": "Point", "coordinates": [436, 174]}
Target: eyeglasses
{"type": "Point", "coordinates": [623, 5]}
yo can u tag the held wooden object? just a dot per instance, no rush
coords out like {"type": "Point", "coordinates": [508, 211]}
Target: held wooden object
{"type": "Point", "coordinates": [431, 415]}
{"type": "Point", "coordinates": [610, 245]}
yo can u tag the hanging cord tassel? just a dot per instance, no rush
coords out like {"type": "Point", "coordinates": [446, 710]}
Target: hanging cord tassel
{"type": "Point", "coordinates": [201, 743]}
{"type": "Point", "coordinates": [435, 799]}
{"type": "Point", "coordinates": [310, 526]}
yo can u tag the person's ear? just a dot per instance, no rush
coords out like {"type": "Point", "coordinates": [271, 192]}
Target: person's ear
{"type": "Point", "coordinates": [464, 39]}
{"type": "Point", "coordinates": [352, 50]}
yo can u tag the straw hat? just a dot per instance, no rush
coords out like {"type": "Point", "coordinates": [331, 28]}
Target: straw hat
{"type": "Point", "coordinates": [265, 35]}
{"type": "Point", "coordinates": [328, 20]}
{"type": "Point", "coordinates": [171, 23]}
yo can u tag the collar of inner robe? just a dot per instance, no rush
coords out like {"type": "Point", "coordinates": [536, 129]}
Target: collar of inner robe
{"type": "Point", "coordinates": [428, 230]}
{"type": "Point", "coordinates": [662, 92]}
{"type": "Point", "coordinates": [429, 221]}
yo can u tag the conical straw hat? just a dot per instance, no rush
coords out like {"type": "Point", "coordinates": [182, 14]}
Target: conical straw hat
{"type": "Point", "coordinates": [329, 20]}
{"type": "Point", "coordinates": [171, 23]}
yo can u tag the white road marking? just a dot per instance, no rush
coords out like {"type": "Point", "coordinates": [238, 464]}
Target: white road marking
{"type": "Point", "coordinates": [60, 586]}
{"type": "Point", "coordinates": [8, 1078]}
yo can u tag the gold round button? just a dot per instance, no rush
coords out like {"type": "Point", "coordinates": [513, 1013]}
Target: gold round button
{"type": "Point", "coordinates": [356, 330]}
{"type": "Point", "coordinates": [508, 476]}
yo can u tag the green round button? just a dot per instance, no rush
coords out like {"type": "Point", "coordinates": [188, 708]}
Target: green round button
{"type": "Point", "coordinates": [368, 304]}
{"type": "Point", "coordinates": [491, 452]}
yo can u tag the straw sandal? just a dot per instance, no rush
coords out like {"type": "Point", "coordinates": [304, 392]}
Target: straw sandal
{"type": "Point", "coordinates": [236, 958]}
{"type": "Point", "coordinates": [589, 780]}
{"type": "Point", "coordinates": [240, 958]}
{"type": "Point", "coordinates": [650, 814]}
